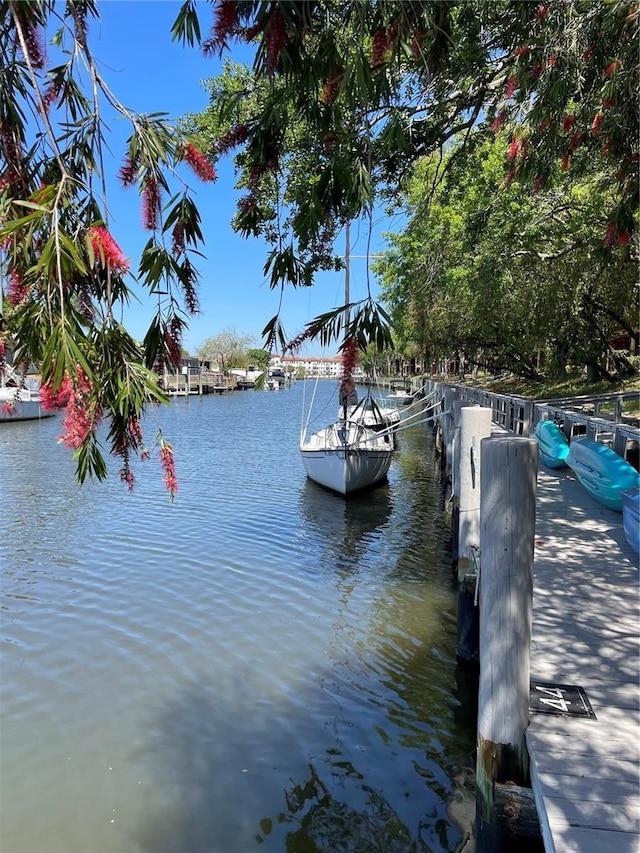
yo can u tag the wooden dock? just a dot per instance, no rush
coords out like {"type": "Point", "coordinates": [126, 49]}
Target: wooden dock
{"type": "Point", "coordinates": [586, 622]}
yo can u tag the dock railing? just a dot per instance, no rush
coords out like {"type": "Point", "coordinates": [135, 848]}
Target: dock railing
{"type": "Point", "coordinates": [600, 416]}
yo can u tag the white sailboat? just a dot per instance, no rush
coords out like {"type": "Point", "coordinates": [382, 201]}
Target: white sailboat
{"type": "Point", "coordinates": [20, 396]}
{"type": "Point", "coordinates": [348, 455]}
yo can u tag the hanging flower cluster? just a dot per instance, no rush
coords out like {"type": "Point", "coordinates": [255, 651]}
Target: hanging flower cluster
{"type": "Point", "coordinates": [225, 24]}
{"type": "Point", "coordinates": [238, 134]}
{"type": "Point", "coordinates": [202, 167]}
{"type": "Point", "coordinates": [151, 203]}
{"type": "Point", "coordinates": [82, 415]}
{"type": "Point", "coordinates": [17, 290]}
{"type": "Point", "coordinates": [134, 442]}
{"type": "Point", "coordinates": [107, 250]}
{"type": "Point", "coordinates": [168, 463]}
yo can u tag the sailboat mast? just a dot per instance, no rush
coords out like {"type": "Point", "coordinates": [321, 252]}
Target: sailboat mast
{"type": "Point", "coordinates": [347, 256]}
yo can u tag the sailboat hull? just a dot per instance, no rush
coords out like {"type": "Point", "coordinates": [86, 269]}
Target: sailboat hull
{"type": "Point", "coordinates": [346, 460]}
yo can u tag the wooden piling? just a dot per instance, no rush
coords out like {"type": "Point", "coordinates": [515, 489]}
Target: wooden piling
{"type": "Point", "coordinates": [507, 528]}
{"type": "Point", "coordinates": [450, 394]}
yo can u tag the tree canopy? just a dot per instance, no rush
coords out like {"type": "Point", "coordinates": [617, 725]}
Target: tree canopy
{"type": "Point", "coordinates": [343, 99]}
{"type": "Point", "coordinates": [486, 270]}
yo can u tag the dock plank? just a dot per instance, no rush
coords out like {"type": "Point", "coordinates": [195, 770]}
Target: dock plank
{"type": "Point", "coordinates": [586, 617]}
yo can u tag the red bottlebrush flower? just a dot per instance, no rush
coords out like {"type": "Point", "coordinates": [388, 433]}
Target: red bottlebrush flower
{"type": "Point", "coordinates": [514, 148]}
{"type": "Point", "coordinates": [33, 38]}
{"type": "Point", "coordinates": [589, 52]}
{"type": "Point", "coordinates": [576, 140]}
{"type": "Point", "coordinates": [135, 432]}
{"type": "Point", "coordinates": [350, 354]}
{"type": "Point", "coordinates": [80, 418]}
{"type": "Point", "coordinates": [107, 250]}
{"type": "Point", "coordinates": [251, 32]}
{"type": "Point", "coordinates": [275, 35]}
{"type": "Point", "coordinates": [151, 203]}
{"type": "Point", "coordinates": [127, 476]}
{"type": "Point", "coordinates": [236, 136]}
{"type": "Point", "coordinates": [552, 61]}
{"type": "Point", "coordinates": [7, 178]}
{"type": "Point", "coordinates": [332, 87]}
{"type": "Point", "coordinates": [128, 171]}
{"type": "Point", "coordinates": [225, 24]}
{"type": "Point", "coordinates": [294, 345]}
{"type": "Point", "coordinates": [189, 280]}
{"type": "Point", "coordinates": [11, 146]}
{"type": "Point", "coordinates": [612, 68]}
{"type": "Point", "coordinates": [536, 71]}
{"type": "Point", "coordinates": [17, 291]}
{"type": "Point", "coordinates": [178, 239]}
{"type": "Point", "coordinates": [608, 103]}
{"type": "Point", "coordinates": [568, 123]}
{"type": "Point", "coordinates": [169, 465]}
{"type": "Point", "coordinates": [247, 204]}
{"type": "Point", "coordinates": [380, 47]}
{"type": "Point", "coordinates": [522, 51]}
{"type": "Point", "coordinates": [172, 337]}
{"type": "Point", "coordinates": [79, 12]}
{"type": "Point", "coordinates": [498, 121]}
{"type": "Point", "coordinates": [512, 85]}
{"type": "Point", "coordinates": [511, 176]}
{"type": "Point", "coordinates": [566, 159]}
{"type": "Point", "coordinates": [607, 148]}
{"type": "Point", "coordinates": [51, 93]}
{"type": "Point", "coordinates": [198, 162]}
{"type": "Point", "coordinates": [52, 400]}
{"type": "Point", "coordinates": [596, 124]}
{"type": "Point", "coordinates": [611, 235]}
{"type": "Point", "coordinates": [623, 238]}
{"type": "Point", "coordinates": [541, 12]}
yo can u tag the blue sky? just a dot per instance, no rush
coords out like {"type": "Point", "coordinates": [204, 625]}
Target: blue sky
{"type": "Point", "coordinates": [149, 73]}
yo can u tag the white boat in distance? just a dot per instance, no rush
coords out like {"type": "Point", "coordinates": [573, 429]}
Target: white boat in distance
{"type": "Point", "coordinates": [401, 398]}
{"type": "Point", "coordinates": [348, 455]}
{"type": "Point", "coordinates": [20, 397]}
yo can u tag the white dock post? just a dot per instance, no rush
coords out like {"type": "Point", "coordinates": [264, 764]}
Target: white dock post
{"type": "Point", "coordinates": [474, 425]}
{"type": "Point", "coordinates": [507, 530]}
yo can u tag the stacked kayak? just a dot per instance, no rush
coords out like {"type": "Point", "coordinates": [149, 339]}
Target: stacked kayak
{"type": "Point", "coordinates": [631, 517]}
{"type": "Point", "coordinates": [603, 473]}
{"type": "Point", "coordinates": [552, 443]}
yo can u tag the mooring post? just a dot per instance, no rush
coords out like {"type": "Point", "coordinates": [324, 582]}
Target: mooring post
{"type": "Point", "coordinates": [450, 394]}
{"type": "Point", "coordinates": [455, 487]}
{"type": "Point", "coordinates": [507, 528]}
{"type": "Point", "coordinates": [474, 426]}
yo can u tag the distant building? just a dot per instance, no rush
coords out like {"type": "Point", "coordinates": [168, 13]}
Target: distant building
{"type": "Point", "coordinates": [313, 367]}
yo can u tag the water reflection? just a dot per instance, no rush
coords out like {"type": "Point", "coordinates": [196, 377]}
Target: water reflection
{"type": "Point", "coordinates": [325, 825]}
{"type": "Point", "coordinates": [347, 528]}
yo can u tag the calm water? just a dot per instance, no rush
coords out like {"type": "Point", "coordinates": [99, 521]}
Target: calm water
{"type": "Point", "coordinates": [260, 665]}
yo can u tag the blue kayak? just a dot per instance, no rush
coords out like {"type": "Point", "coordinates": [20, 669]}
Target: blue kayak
{"type": "Point", "coordinates": [552, 443]}
{"type": "Point", "coordinates": [603, 473]}
{"type": "Point", "coordinates": [631, 517]}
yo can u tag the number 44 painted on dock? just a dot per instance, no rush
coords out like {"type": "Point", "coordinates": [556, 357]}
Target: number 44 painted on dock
{"type": "Point", "coordinates": [563, 700]}
{"type": "Point", "coordinates": [557, 701]}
